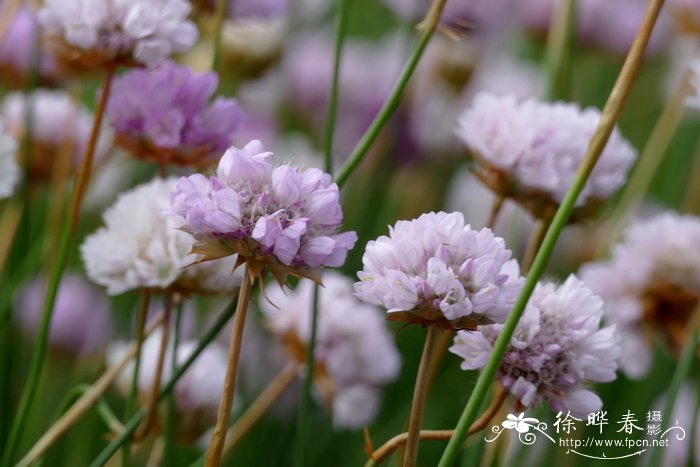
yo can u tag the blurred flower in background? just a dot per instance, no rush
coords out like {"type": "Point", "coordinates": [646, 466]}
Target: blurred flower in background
{"type": "Point", "coordinates": [197, 393]}
{"type": "Point", "coordinates": [94, 35]}
{"type": "Point", "coordinates": [165, 115]}
{"type": "Point", "coordinates": [59, 131]}
{"type": "Point", "coordinates": [355, 353]}
{"type": "Point", "coordinates": [650, 286]}
{"type": "Point", "coordinates": [557, 348]}
{"type": "Point", "coordinates": [530, 151]}
{"type": "Point", "coordinates": [82, 322]}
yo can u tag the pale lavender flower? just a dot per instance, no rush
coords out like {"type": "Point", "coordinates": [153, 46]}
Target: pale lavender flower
{"type": "Point", "coordinates": [81, 322]}
{"type": "Point", "coordinates": [556, 349]}
{"type": "Point", "coordinates": [354, 351]}
{"type": "Point", "coordinates": [9, 169]}
{"type": "Point", "coordinates": [530, 150]}
{"type": "Point", "coordinates": [165, 115]}
{"type": "Point", "coordinates": [140, 248]}
{"type": "Point", "coordinates": [650, 286]}
{"type": "Point", "coordinates": [282, 217]}
{"type": "Point", "coordinates": [60, 128]}
{"type": "Point", "coordinates": [436, 270]}
{"type": "Point", "coordinates": [17, 51]}
{"type": "Point", "coordinates": [198, 391]}
{"type": "Point", "coordinates": [110, 32]}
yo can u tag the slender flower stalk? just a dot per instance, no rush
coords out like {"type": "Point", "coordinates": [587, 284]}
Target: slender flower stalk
{"type": "Point", "coordinates": [169, 435]}
{"type": "Point", "coordinates": [9, 222]}
{"type": "Point", "coordinates": [419, 395]}
{"type": "Point", "coordinates": [85, 402]}
{"type": "Point", "coordinates": [304, 416]}
{"type": "Point", "coordinates": [135, 421]}
{"type": "Point", "coordinates": [165, 337]}
{"type": "Point", "coordinates": [427, 26]}
{"type": "Point", "coordinates": [649, 162]}
{"type": "Point", "coordinates": [560, 43]}
{"type": "Point", "coordinates": [144, 299]}
{"type": "Point", "coordinates": [691, 198]}
{"type": "Point", "coordinates": [384, 451]}
{"type": "Point", "coordinates": [219, 17]}
{"type": "Point", "coordinates": [218, 437]}
{"type": "Point", "coordinates": [611, 113]}
{"type": "Point", "coordinates": [64, 247]}
{"type": "Point", "coordinates": [261, 405]}
{"type": "Point", "coordinates": [534, 244]}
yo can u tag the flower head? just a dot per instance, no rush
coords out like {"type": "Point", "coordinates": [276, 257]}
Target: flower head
{"type": "Point", "coordinates": [530, 151]}
{"type": "Point", "coordinates": [165, 115]}
{"type": "Point", "coordinates": [94, 34]}
{"type": "Point", "coordinates": [9, 170]}
{"type": "Point", "coordinates": [81, 322]}
{"type": "Point", "coordinates": [139, 247]}
{"type": "Point", "coordinates": [650, 286]}
{"type": "Point", "coordinates": [60, 129]}
{"type": "Point", "coordinates": [436, 270]}
{"type": "Point", "coordinates": [282, 217]}
{"type": "Point", "coordinates": [556, 348]}
{"type": "Point", "coordinates": [355, 354]}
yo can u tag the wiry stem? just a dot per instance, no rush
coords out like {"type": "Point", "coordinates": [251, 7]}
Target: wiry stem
{"type": "Point", "coordinates": [219, 16]}
{"type": "Point", "coordinates": [419, 395]}
{"type": "Point", "coordinates": [559, 47]}
{"type": "Point", "coordinates": [86, 401]}
{"type": "Point", "coordinates": [9, 222]}
{"type": "Point", "coordinates": [144, 300]}
{"type": "Point", "coordinates": [155, 389]}
{"type": "Point", "coordinates": [133, 424]}
{"type": "Point", "coordinates": [261, 405]}
{"type": "Point", "coordinates": [384, 451]}
{"type": "Point", "coordinates": [67, 233]}
{"type": "Point", "coordinates": [534, 244]}
{"type": "Point", "coordinates": [218, 437]}
{"type": "Point", "coordinates": [428, 26]}
{"type": "Point", "coordinates": [611, 113]}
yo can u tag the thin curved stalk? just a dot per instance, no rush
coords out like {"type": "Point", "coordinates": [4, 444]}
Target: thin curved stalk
{"type": "Point", "coordinates": [533, 245]}
{"type": "Point", "coordinates": [64, 247]}
{"type": "Point", "coordinates": [420, 394]}
{"type": "Point", "coordinates": [144, 299]}
{"type": "Point", "coordinates": [169, 435]}
{"type": "Point", "coordinates": [86, 401]}
{"type": "Point", "coordinates": [394, 443]}
{"type": "Point", "coordinates": [610, 115]}
{"type": "Point", "coordinates": [218, 437]}
{"type": "Point", "coordinates": [219, 17]}
{"type": "Point", "coordinates": [129, 427]}
{"type": "Point", "coordinates": [428, 27]}
{"type": "Point", "coordinates": [560, 43]}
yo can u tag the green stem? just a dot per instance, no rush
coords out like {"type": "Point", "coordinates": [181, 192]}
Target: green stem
{"type": "Point", "coordinates": [106, 454]}
{"type": "Point", "coordinates": [64, 248]}
{"type": "Point", "coordinates": [144, 299]}
{"type": "Point", "coordinates": [610, 115]}
{"type": "Point", "coordinates": [304, 415]}
{"type": "Point", "coordinates": [560, 44]}
{"type": "Point", "coordinates": [420, 394]}
{"type": "Point", "coordinates": [428, 28]}
{"type": "Point", "coordinates": [220, 15]}
{"type": "Point", "coordinates": [169, 435]}
{"type": "Point", "coordinates": [685, 362]}
{"type": "Point", "coordinates": [332, 111]}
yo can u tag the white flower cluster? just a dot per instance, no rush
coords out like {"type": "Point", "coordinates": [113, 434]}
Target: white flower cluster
{"type": "Point", "coordinates": [437, 268]}
{"type": "Point", "coordinates": [651, 284]}
{"type": "Point", "coordinates": [140, 247]}
{"type": "Point", "coordinates": [9, 170]}
{"type": "Point", "coordinates": [354, 347]}
{"type": "Point", "coordinates": [539, 146]}
{"type": "Point", "coordinates": [150, 30]}
{"type": "Point", "coordinates": [557, 346]}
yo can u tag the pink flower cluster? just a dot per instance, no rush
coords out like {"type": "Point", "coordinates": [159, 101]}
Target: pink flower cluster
{"type": "Point", "coordinates": [265, 213]}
